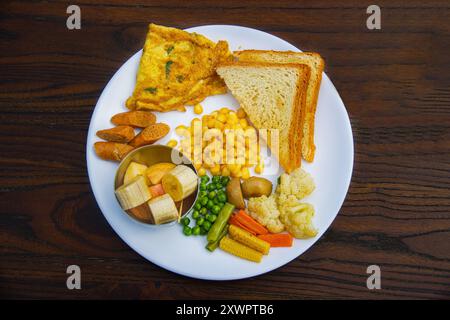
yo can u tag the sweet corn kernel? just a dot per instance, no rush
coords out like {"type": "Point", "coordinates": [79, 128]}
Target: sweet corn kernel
{"type": "Point", "coordinates": [243, 123]}
{"type": "Point", "coordinates": [205, 120]}
{"type": "Point", "coordinates": [201, 172]}
{"type": "Point", "coordinates": [181, 130]}
{"type": "Point", "coordinates": [195, 120]}
{"type": "Point", "coordinates": [211, 122]}
{"type": "Point", "coordinates": [225, 171]}
{"type": "Point", "coordinates": [215, 170]}
{"type": "Point", "coordinates": [232, 119]}
{"type": "Point", "coordinates": [241, 113]}
{"type": "Point", "coordinates": [234, 167]}
{"type": "Point", "coordinates": [233, 115]}
{"type": "Point", "coordinates": [222, 118]}
{"type": "Point", "coordinates": [218, 125]}
{"type": "Point", "coordinates": [259, 168]}
{"type": "Point", "coordinates": [245, 174]}
{"type": "Point", "coordinates": [172, 143]}
{"type": "Point", "coordinates": [198, 109]}
{"type": "Point", "coordinates": [224, 110]}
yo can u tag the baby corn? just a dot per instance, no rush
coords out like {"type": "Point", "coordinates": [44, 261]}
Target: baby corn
{"type": "Point", "coordinates": [239, 250]}
{"type": "Point", "coordinates": [248, 239]}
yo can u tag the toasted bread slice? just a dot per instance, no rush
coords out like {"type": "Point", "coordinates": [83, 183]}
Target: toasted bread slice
{"type": "Point", "coordinates": [273, 95]}
{"type": "Point", "coordinates": [316, 64]}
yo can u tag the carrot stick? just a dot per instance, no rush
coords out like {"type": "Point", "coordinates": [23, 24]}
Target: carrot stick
{"type": "Point", "coordinates": [250, 223]}
{"type": "Point", "coordinates": [277, 239]}
{"type": "Point", "coordinates": [234, 221]}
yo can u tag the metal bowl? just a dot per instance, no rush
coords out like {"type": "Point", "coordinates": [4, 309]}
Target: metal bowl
{"type": "Point", "coordinates": [149, 155]}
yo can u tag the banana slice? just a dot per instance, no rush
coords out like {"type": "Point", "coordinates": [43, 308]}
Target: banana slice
{"type": "Point", "coordinates": [180, 182]}
{"type": "Point", "coordinates": [133, 193]}
{"type": "Point", "coordinates": [163, 209]}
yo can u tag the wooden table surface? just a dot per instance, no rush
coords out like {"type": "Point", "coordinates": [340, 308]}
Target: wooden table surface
{"type": "Point", "coordinates": [395, 83]}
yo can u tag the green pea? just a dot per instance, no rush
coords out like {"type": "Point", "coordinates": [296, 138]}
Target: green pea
{"type": "Point", "coordinates": [211, 217]}
{"type": "Point", "coordinates": [203, 231]}
{"type": "Point", "coordinates": [203, 194]}
{"type": "Point", "coordinates": [224, 181]}
{"type": "Point", "coordinates": [187, 231]}
{"type": "Point", "coordinates": [218, 186]}
{"type": "Point", "coordinates": [212, 195]}
{"type": "Point", "coordinates": [206, 225]}
{"type": "Point", "coordinates": [203, 211]}
{"type": "Point", "coordinates": [196, 230]}
{"type": "Point", "coordinates": [215, 209]}
{"type": "Point", "coordinates": [220, 193]}
{"type": "Point", "coordinates": [202, 186]}
{"type": "Point", "coordinates": [210, 204]}
{"type": "Point", "coordinates": [200, 221]}
{"type": "Point", "coordinates": [197, 206]}
{"type": "Point", "coordinates": [222, 198]}
{"type": "Point", "coordinates": [204, 201]}
{"type": "Point", "coordinates": [185, 221]}
{"type": "Point", "coordinates": [204, 179]}
{"type": "Point", "coordinates": [195, 214]}
{"type": "Point", "coordinates": [215, 179]}
{"type": "Point", "coordinates": [216, 200]}
{"type": "Point", "coordinates": [211, 187]}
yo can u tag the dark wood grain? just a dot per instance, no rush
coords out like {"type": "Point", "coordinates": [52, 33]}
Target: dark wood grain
{"type": "Point", "coordinates": [395, 83]}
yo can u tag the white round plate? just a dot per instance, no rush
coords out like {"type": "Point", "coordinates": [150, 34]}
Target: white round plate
{"type": "Point", "coordinates": [168, 247]}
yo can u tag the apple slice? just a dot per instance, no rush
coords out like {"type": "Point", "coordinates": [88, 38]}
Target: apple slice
{"type": "Point", "coordinates": [134, 169]}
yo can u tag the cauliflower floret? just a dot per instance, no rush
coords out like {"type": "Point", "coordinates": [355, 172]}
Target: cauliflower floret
{"type": "Point", "coordinates": [297, 218]}
{"type": "Point", "coordinates": [282, 210]}
{"type": "Point", "coordinates": [264, 210]}
{"type": "Point", "coordinates": [298, 183]}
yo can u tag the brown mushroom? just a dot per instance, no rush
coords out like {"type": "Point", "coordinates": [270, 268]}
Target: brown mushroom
{"type": "Point", "coordinates": [256, 187]}
{"type": "Point", "coordinates": [234, 193]}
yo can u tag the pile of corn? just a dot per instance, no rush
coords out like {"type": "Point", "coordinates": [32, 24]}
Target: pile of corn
{"type": "Point", "coordinates": [215, 124]}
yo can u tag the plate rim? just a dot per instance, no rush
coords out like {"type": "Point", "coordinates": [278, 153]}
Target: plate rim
{"type": "Point", "coordinates": [275, 266]}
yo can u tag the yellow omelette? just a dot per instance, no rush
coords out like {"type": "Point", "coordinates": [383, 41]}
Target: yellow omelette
{"type": "Point", "coordinates": [177, 68]}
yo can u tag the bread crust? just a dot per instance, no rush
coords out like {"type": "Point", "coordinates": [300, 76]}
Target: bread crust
{"type": "Point", "coordinates": [300, 98]}
{"type": "Point", "coordinates": [311, 107]}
